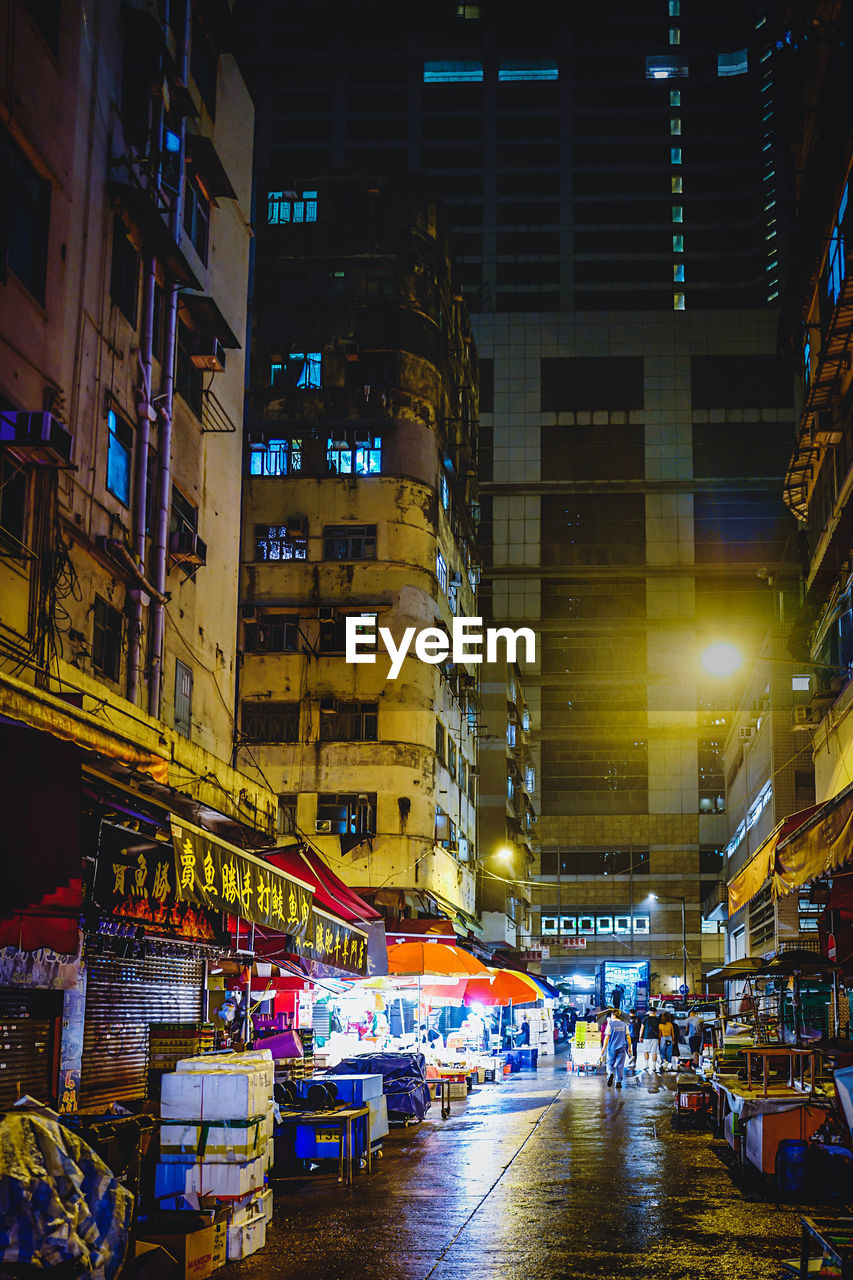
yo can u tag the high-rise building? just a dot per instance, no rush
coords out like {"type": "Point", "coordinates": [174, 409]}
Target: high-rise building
{"type": "Point", "coordinates": [613, 184]}
{"type": "Point", "coordinates": [359, 522]}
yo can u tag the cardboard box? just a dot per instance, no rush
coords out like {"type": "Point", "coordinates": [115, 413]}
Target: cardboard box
{"type": "Point", "coordinates": [247, 1238]}
{"type": "Point", "coordinates": [216, 1141]}
{"type": "Point", "coordinates": [207, 1179]}
{"type": "Point", "coordinates": [187, 1237]}
{"type": "Point", "coordinates": [217, 1094]}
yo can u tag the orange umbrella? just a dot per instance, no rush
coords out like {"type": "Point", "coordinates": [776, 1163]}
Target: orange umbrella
{"type": "Point", "coordinates": [436, 958]}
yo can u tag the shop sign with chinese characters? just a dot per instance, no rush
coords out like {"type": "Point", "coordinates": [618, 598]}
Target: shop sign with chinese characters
{"type": "Point", "coordinates": [335, 944]}
{"type": "Point", "coordinates": [135, 882]}
{"type": "Point", "coordinates": [220, 877]}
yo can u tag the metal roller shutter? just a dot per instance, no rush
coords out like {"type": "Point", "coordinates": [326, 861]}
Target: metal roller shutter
{"type": "Point", "coordinates": [122, 997]}
{"type": "Point", "coordinates": [28, 1025]}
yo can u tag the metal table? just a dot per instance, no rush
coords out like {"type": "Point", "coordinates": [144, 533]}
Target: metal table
{"type": "Point", "coordinates": [340, 1122]}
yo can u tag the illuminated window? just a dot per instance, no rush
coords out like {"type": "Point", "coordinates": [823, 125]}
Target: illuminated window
{"type": "Point", "coordinates": [677, 186]}
{"type": "Point", "coordinates": [675, 155]}
{"type": "Point", "coordinates": [675, 35]}
{"type": "Point", "coordinates": [445, 492]}
{"type": "Point", "coordinates": [452, 72]}
{"type": "Point", "coordinates": [678, 273]}
{"type": "Point", "coordinates": [275, 458]}
{"type": "Point", "coordinates": [675, 126]}
{"type": "Point", "coordinates": [119, 454]}
{"type": "Point", "coordinates": [733, 64]}
{"type": "Point", "coordinates": [675, 97]}
{"type": "Point", "coordinates": [674, 8]}
{"type": "Point", "coordinates": [441, 570]}
{"type": "Point", "coordinates": [677, 213]}
{"type": "Point", "coordinates": [836, 265]}
{"type": "Point", "coordinates": [290, 206]}
{"type": "Point", "coordinates": [678, 244]}
{"type": "Point", "coordinates": [306, 367]}
{"type": "Point", "coordinates": [666, 67]}
{"type": "Point", "coordinates": [530, 70]}
{"type": "Point", "coordinates": [280, 542]}
{"type": "Point", "coordinates": [678, 302]}
{"type": "Point", "coordinates": [358, 454]}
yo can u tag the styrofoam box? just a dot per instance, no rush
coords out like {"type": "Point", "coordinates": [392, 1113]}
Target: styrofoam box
{"type": "Point", "coordinates": [247, 1238]}
{"type": "Point", "coordinates": [258, 1202]}
{"type": "Point", "coordinates": [353, 1089]}
{"type": "Point", "coordinates": [216, 1095]}
{"type": "Point", "coordinates": [225, 1143]}
{"type": "Point", "coordinates": [208, 1179]}
{"type": "Point", "coordinates": [378, 1117]}
{"type": "Point", "coordinates": [261, 1066]}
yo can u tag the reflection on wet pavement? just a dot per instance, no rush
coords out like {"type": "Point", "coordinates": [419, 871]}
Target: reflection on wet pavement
{"type": "Point", "coordinates": [543, 1175]}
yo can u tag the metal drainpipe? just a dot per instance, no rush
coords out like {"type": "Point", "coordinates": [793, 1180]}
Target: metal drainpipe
{"type": "Point", "coordinates": [164, 493]}
{"type": "Point", "coordinates": [145, 415]}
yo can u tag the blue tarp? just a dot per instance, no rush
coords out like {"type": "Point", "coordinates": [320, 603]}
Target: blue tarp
{"type": "Point", "coordinates": [403, 1080]}
{"type": "Point", "coordinates": [58, 1200]}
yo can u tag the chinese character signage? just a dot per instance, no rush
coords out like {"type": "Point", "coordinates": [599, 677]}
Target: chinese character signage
{"type": "Point", "coordinates": [220, 877]}
{"type": "Point", "coordinates": [333, 943]}
{"type": "Point", "coordinates": [135, 882]}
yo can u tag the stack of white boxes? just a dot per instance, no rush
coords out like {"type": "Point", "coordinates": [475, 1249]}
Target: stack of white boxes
{"type": "Point", "coordinates": [216, 1139]}
{"type": "Point", "coordinates": [541, 1030]}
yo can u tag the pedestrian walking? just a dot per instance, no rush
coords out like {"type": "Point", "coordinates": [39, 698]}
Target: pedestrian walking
{"type": "Point", "coordinates": [694, 1036]}
{"type": "Point", "coordinates": [666, 1038]}
{"type": "Point", "coordinates": [617, 1045]}
{"type": "Point", "coordinates": [648, 1046]}
{"type": "Point", "coordinates": [636, 1024]}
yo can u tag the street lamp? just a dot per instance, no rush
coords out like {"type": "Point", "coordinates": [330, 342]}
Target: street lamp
{"type": "Point", "coordinates": [655, 897]}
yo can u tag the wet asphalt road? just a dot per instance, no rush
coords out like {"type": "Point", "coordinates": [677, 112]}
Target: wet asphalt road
{"type": "Point", "coordinates": [544, 1175]}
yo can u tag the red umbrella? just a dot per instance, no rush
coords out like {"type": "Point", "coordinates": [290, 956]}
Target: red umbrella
{"type": "Point", "coordinates": [506, 987]}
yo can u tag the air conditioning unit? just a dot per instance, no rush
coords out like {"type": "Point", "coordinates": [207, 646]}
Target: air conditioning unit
{"type": "Point", "coordinates": [746, 732]}
{"type": "Point", "coordinates": [211, 357]}
{"type": "Point", "coordinates": [327, 705]}
{"type": "Point", "coordinates": [326, 613]}
{"type": "Point", "coordinates": [35, 437]}
{"type": "Point", "coordinates": [323, 827]}
{"type": "Point", "coordinates": [826, 431]}
{"type": "Point", "coordinates": [339, 442]}
{"type": "Point", "coordinates": [456, 579]}
{"type": "Point", "coordinates": [362, 438]}
{"type": "Point", "coordinates": [801, 718]}
{"type": "Point", "coordinates": [248, 612]}
{"type": "Point", "coordinates": [297, 526]}
{"type": "Point", "coordinates": [187, 547]}
{"type": "Point", "coordinates": [256, 439]}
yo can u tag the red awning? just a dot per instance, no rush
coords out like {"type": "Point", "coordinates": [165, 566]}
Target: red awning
{"type": "Point", "coordinates": [330, 892]}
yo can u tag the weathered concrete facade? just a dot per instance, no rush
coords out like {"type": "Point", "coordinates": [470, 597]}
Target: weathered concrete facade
{"type": "Point", "coordinates": [120, 578]}
{"type": "Point", "coordinates": [360, 498]}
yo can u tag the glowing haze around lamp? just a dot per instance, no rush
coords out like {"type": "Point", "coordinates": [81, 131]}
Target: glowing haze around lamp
{"type": "Point", "coordinates": [722, 659]}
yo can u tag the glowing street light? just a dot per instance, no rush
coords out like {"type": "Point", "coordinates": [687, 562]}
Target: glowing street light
{"type": "Point", "coordinates": [722, 659]}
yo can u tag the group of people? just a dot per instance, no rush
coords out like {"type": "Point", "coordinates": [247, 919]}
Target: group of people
{"type": "Point", "coordinates": [655, 1036]}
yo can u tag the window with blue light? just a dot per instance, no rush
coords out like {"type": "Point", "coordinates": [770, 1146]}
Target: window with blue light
{"type": "Point", "coordinates": [460, 72]}
{"type": "Point", "coordinates": [675, 97]}
{"type": "Point", "coordinates": [358, 453]}
{"type": "Point", "coordinates": [290, 206]}
{"type": "Point", "coordinates": [119, 456]}
{"type": "Point", "coordinates": [666, 67]}
{"type": "Point", "coordinates": [445, 493]}
{"type": "Point", "coordinates": [733, 64]}
{"type": "Point", "coordinates": [677, 213]}
{"type": "Point", "coordinates": [836, 266]}
{"type": "Point", "coordinates": [678, 244]}
{"type": "Point", "coordinates": [530, 70]}
{"type": "Point", "coordinates": [310, 377]}
{"type": "Point", "coordinates": [678, 273]}
{"type": "Point", "coordinates": [675, 155]}
{"type": "Point", "coordinates": [276, 458]}
{"type": "Point", "coordinates": [441, 570]}
{"type": "Point", "coordinates": [807, 359]}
